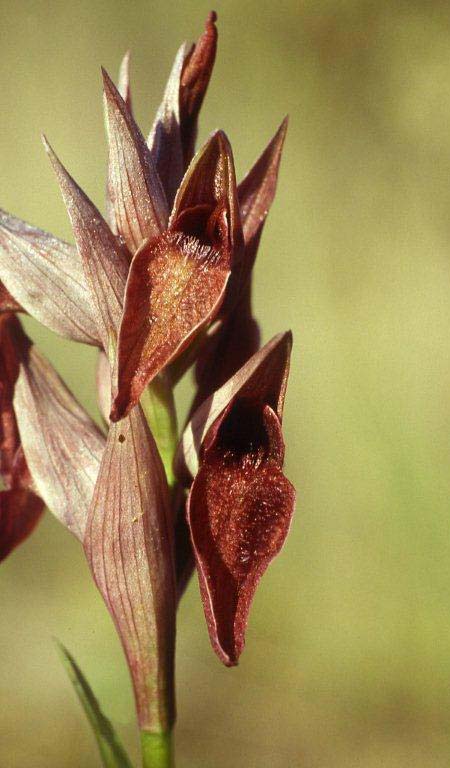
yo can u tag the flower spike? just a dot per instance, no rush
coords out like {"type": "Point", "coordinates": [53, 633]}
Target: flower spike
{"type": "Point", "coordinates": [164, 282]}
{"type": "Point", "coordinates": [177, 282]}
{"type": "Point", "coordinates": [240, 504]}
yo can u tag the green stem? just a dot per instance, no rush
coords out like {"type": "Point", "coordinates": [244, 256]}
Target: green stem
{"type": "Point", "coordinates": [157, 750]}
{"type": "Point", "coordinates": [158, 405]}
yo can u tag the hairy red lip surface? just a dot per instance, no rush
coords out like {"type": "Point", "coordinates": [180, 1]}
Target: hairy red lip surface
{"type": "Point", "coordinates": [239, 511]}
{"type": "Point", "coordinates": [240, 504]}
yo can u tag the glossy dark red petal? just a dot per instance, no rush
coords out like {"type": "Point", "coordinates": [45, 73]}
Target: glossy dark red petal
{"type": "Point", "coordinates": [20, 511]}
{"type": "Point", "coordinates": [206, 203]}
{"type": "Point", "coordinates": [263, 378]}
{"type": "Point", "coordinates": [239, 511]}
{"type": "Point", "coordinates": [175, 287]}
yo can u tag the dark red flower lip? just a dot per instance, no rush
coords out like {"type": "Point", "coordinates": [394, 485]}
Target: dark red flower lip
{"type": "Point", "coordinates": [240, 503]}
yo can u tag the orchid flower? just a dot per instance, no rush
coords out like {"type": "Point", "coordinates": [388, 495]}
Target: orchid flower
{"type": "Point", "coordinates": [161, 282]}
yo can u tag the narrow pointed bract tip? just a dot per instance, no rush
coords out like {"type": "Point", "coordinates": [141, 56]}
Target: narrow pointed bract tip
{"type": "Point", "coordinates": [106, 78]}
{"type": "Point", "coordinates": [108, 84]}
{"type": "Point", "coordinates": [53, 157]}
{"type": "Point", "coordinates": [46, 144]}
{"type": "Point", "coordinates": [284, 125]}
{"type": "Point", "coordinates": [218, 138]}
{"type": "Point", "coordinates": [221, 137]}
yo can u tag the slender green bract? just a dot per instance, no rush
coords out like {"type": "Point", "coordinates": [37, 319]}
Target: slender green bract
{"type": "Point", "coordinates": [157, 750]}
{"type": "Point", "coordinates": [112, 753]}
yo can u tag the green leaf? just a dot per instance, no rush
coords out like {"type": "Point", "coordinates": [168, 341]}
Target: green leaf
{"type": "Point", "coordinates": [112, 752]}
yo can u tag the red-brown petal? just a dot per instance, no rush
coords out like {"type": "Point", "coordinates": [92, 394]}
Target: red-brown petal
{"type": "Point", "coordinates": [194, 82]}
{"type": "Point", "coordinates": [20, 511]}
{"type": "Point", "coordinates": [256, 193]}
{"type": "Point", "coordinates": [209, 184]}
{"type": "Point", "coordinates": [239, 512]}
{"type": "Point", "coordinates": [129, 545]}
{"type": "Point", "coordinates": [45, 275]}
{"type": "Point", "coordinates": [134, 186]}
{"type": "Point", "coordinates": [257, 190]}
{"type": "Point", "coordinates": [104, 260]}
{"type": "Point", "coordinates": [165, 138]}
{"type": "Point", "coordinates": [263, 378]}
{"type": "Point", "coordinates": [175, 287]}
{"type": "Point", "coordinates": [123, 86]}
{"type": "Point", "coordinates": [62, 445]}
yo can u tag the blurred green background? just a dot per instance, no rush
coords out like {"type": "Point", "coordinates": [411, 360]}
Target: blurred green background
{"type": "Point", "coordinates": [348, 650]}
